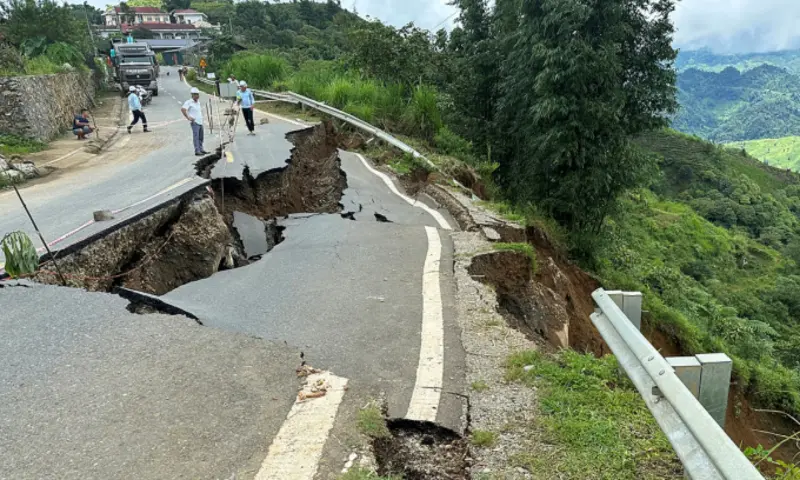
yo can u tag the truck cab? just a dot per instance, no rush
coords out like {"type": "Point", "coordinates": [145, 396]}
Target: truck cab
{"type": "Point", "coordinates": [136, 65]}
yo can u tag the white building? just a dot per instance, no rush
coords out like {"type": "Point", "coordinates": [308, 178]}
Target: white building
{"type": "Point", "coordinates": [115, 17]}
{"type": "Point", "coordinates": [189, 16]}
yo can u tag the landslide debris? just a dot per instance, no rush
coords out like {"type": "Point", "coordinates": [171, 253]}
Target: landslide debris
{"type": "Point", "coordinates": [421, 451]}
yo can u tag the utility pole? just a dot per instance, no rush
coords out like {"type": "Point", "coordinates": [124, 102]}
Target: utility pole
{"type": "Point", "coordinates": [89, 27]}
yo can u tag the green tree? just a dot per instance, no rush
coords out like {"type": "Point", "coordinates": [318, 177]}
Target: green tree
{"type": "Point", "coordinates": [43, 21]}
{"type": "Point", "coordinates": [405, 54]}
{"type": "Point", "coordinates": [475, 72]}
{"type": "Point", "coordinates": [572, 94]}
{"type": "Point", "coordinates": [85, 11]}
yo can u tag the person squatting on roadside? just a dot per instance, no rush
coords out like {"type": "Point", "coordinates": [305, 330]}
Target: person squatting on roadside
{"type": "Point", "coordinates": [193, 111]}
{"type": "Point", "coordinates": [135, 105]}
{"type": "Point", "coordinates": [246, 100]}
{"type": "Point", "coordinates": [80, 125]}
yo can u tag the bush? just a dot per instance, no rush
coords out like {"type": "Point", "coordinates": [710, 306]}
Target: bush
{"type": "Point", "coordinates": [452, 144]}
{"type": "Point", "coordinates": [258, 70]}
{"type": "Point", "coordinates": [422, 116]}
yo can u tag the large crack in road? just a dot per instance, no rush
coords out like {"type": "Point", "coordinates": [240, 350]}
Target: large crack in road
{"type": "Point", "coordinates": [222, 226]}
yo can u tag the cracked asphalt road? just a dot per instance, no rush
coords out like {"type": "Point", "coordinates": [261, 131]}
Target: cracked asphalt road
{"type": "Point", "coordinates": [95, 392]}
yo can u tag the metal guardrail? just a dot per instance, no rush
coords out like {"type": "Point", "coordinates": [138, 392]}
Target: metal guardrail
{"type": "Point", "coordinates": [701, 444]}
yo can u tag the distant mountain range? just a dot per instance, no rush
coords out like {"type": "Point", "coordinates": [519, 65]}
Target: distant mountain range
{"type": "Point", "coordinates": [729, 105]}
{"type": "Point", "coordinates": [707, 60]}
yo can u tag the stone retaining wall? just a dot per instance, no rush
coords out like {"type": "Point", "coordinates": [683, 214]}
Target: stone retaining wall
{"type": "Point", "coordinates": [42, 106]}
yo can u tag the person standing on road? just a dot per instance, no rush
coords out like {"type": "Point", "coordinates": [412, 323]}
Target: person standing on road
{"type": "Point", "coordinates": [246, 101]}
{"type": "Point", "coordinates": [193, 112]}
{"type": "Point", "coordinates": [136, 109]}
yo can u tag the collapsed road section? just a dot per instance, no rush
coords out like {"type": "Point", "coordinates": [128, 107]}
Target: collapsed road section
{"type": "Point", "coordinates": [223, 224]}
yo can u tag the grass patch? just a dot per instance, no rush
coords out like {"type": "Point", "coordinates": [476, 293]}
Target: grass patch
{"type": "Point", "coordinates": [358, 473]}
{"type": "Point", "coordinates": [289, 111]}
{"type": "Point", "coordinates": [258, 70]}
{"type": "Point", "coordinates": [479, 386]}
{"type": "Point", "coordinates": [781, 152]}
{"type": "Point", "coordinates": [505, 210]}
{"type": "Point", "coordinates": [406, 164]}
{"type": "Point", "coordinates": [15, 145]}
{"type": "Point", "coordinates": [483, 438]}
{"type": "Point", "coordinates": [596, 419]}
{"type": "Point", "coordinates": [371, 422]}
{"type": "Point", "coordinates": [523, 248]}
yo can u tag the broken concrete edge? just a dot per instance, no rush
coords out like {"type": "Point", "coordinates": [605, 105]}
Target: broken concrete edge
{"type": "Point", "coordinates": [74, 247]}
{"type": "Point", "coordinates": [154, 302]}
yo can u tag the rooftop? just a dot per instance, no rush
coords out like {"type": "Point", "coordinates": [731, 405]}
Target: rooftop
{"type": "Point", "coordinates": [141, 10]}
{"type": "Point", "coordinates": [155, 26]}
{"type": "Point", "coordinates": [187, 10]}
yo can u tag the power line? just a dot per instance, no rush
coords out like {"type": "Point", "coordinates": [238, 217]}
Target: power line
{"type": "Point", "coordinates": [446, 19]}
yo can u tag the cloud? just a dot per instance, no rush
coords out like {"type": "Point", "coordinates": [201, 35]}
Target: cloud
{"type": "Point", "coordinates": [430, 14]}
{"type": "Point", "coordinates": [735, 26]}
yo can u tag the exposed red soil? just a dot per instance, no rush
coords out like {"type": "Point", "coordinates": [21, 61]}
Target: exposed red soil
{"type": "Point", "coordinates": [742, 423]}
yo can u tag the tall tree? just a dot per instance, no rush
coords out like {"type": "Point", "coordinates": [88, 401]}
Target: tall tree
{"type": "Point", "coordinates": [580, 80]}
{"type": "Point", "coordinates": [474, 85]}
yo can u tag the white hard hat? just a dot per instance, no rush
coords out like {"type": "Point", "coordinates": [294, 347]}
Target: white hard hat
{"type": "Point", "coordinates": [131, 88]}
{"type": "Point", "coordinates": [195, 90]}
{"type": "Point", "coordinates": [242, 83]}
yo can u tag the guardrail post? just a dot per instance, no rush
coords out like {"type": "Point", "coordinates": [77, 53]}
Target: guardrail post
{"type": "Point", "coordinates": [631, 305]}
{"type": "Point", "coordinates": [688, 370]}
{"type": "Point", "coordinates": [715, 382]}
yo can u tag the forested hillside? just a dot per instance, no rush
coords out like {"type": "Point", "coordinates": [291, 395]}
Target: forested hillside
{"type": "Point", "coordinates": [731, 105]}
{"type": "Point", "coordinates": [549, 120]}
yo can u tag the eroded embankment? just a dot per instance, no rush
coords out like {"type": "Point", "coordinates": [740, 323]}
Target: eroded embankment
{"type": "Point", "coordinates": [311, 182]}
{"type": "Point", "coordinates": [553, 302]}
{"type": "Point", "coordinates": [190, 238]}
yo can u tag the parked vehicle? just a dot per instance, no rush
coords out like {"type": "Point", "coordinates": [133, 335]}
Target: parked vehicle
{"type": "Point", "coordinates": [136, 66]}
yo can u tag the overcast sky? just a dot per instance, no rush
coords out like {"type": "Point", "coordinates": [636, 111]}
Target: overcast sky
{"type": "Point", "coordinates": [722, 25]}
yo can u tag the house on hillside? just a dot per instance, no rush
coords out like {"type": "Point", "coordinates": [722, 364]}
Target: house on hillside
{"type": "Point", "coordinates": [165, 30]}
{"type": "Point", "coordinates": [119, 22]}
{"type": "Point", "coordinates": [115, 16]}
{"type": "Point", "coordinates": [189, 16]}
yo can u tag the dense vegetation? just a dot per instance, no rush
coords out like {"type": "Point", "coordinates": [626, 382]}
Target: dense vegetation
{"type": "Point", "coordinates": [714, 245]}
{"type": "Point", "coordinates": [731, 106]}
{"type": "Point", "coordinates": [710, 234]}
{"type": "Point", "coordinates": [43, 36]}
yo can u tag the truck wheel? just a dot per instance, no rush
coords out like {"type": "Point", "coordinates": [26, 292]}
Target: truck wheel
{"type": "Point", "coordinates": [155, 92]}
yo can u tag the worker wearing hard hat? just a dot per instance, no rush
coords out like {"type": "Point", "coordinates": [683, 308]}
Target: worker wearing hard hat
{"type": "Point", "coordinates": [246, 100]}
{"type": "Point", "coordinates": [193, 111]}
{"type": "Point", "coordinates": [135, 104]}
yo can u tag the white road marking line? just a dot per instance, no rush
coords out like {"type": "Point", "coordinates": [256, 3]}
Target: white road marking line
{"type": "Point", "coordinates": [283, 119]}
{"type": "Point", "coordinates": [63, 157]}
{"type": "Point", "coordinates": [297, 448]}
{"type": "Point", "coordinates": [424, 403]}
{"type": "Point", "coordinates": [162, 192]}
{"type": "Point", "coordinates": [389, 183]}
{"type": "Point", "coordinates": [91, 222]}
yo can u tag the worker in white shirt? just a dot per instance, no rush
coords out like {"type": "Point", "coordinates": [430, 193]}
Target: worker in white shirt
{"type": "Point", "coordinates": [135, 104]}
{"type": "Point", "coordinates": [193, 112]}
{"type": "Point", "coordinates": [246, 101]}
